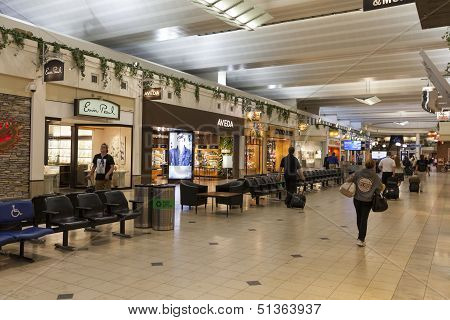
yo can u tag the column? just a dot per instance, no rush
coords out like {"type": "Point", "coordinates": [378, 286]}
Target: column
{"type": "Point", "coordinates": [37, 142]}
{"type": "Point", "coordinates": [137, 140]}
{"type": "Point", "coordinates": [236, 156]}
{"type": "Point", "coordinates": [417, 146]}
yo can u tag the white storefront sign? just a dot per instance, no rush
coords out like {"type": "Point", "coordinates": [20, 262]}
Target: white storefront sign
{"type": "Point", "coordinates": [97, 108]}
{"type": "Point", "coordinates": [225, 123]}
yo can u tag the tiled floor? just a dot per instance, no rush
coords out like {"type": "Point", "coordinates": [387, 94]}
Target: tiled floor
{"type": "Point", "coordinates": [407, 256]}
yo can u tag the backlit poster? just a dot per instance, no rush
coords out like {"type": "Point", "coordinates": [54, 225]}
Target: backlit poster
{"type": "Point", "coordinates": [180, 155]}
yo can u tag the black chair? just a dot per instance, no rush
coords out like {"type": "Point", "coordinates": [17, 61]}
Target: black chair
{"type": "Point", "coordinates": [256, 190]}
{"type": "Point", "coordinates": [73, 197]}
{"type": "Point", "coordinates": [39, 207]}
{"type": "Point", "coordinates": [101, 195]}
{"type": "Point", "coordinates": [92, 208]}
{"type": "Point", "coordinates": [61, 217]}
{"type": "Point", "coordinates": [19, 212]}
{"type": "Point", "coordinates": [118, 205]}
{"type": "Point", "coordinates": [189, 194]}
{"type": "Point", "coordinates": [235, 187]}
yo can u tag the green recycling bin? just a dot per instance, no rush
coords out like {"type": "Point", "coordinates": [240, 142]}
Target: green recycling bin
{"type": "Point", "coordinates": [163, 207]}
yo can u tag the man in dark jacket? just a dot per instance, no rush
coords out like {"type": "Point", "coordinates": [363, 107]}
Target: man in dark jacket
{"type": "Point", "coordinates": [292, 172]}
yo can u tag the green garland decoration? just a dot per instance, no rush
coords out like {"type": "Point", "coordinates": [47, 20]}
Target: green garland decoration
{"type": "Point", "coordinates": [178, 84]}
{"type": "Point", "coordinates": [104, 68]}
{"type": "Point", "coordinates": [80, 60]}
{"type": "Point", "coordinates": [78, 56]}
{"type": "Point", "coordinates": [197, 93]}
{"type": "Point", "coordinates": [119, 69]}
{"type": "Point", "coordinates": [4, 39]}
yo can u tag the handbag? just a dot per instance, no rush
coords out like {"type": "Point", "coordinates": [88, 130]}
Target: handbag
{"type": "Point", "coordinates": [348, 189]}
{"type": "Point", "coordinates": [379, 203]}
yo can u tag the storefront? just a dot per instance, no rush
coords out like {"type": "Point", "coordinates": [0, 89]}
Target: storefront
{"type": "Point", "coordinates": [73, 140]}
{"type": "Point", "coordinates": [254, 135]}
{"type": "Point", "coordinates": [334, 143]}
{"type": "Point", "coordinates": [278, 142]}
{"type": "Point", "coordinates": [310, 153]}
{"type": "Point", "coordinates": [214, 146]}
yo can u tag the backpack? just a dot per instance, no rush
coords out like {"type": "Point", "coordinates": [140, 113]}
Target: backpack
{"type": "Point", "coordinates": [422, 164]}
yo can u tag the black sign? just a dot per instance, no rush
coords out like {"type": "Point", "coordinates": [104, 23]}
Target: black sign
{"type": "Point", "coordinates": [381, 4]}
{"type": "Point", "coordinates": [54, 70]}
{"type": "Point", "coordinates": [153, 94]}
{"type": "Point", "coordinates": [283, 132]}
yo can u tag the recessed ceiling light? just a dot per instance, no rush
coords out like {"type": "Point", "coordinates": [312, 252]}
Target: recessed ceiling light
{"type": "Point", "coordinates": [240, 13]}
{"type": "Point", "coordinates": [369, 100]}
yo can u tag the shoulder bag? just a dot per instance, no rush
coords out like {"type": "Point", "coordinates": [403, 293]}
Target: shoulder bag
{"type": "Point", "coordinates": [379, 203]}
{"type": "Point", "coordinates": [348, 189]}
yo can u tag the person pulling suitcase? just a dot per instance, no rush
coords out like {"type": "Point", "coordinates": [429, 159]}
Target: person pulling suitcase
{"type": "Point", "coordinates": [292, 170]}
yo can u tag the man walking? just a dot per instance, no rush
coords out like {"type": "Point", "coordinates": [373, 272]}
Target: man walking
{"type": "Point", "coordinates": [422, 170]}
{"type": "Point", "coordinates": [387, 166]}
{"type": "Point", "coordinates": [292, 172]}
{"type": "Point", "coordinates": [333, 161]}
{"type": "Point", "coordinates": [103, 165]}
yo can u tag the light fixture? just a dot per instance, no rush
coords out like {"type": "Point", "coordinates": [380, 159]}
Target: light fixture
{"type": "Point", "coordinates": [384, 146]}
{"type": "Point", "coordinates": [369, 100]}
{"type": "Point", "coordinates": [240, 13]}
{"type": "Point", "coordinates": [398, 144]}
{"type": "Point", "coordinates": [405, 145]}
{"type": "Point", "coordinates": [404, 123]}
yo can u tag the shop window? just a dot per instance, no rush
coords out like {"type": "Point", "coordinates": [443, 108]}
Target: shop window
{"type": "Point", "coordinates": [123, 85]}
{"type": "Point", "coordinates": [94, 78]}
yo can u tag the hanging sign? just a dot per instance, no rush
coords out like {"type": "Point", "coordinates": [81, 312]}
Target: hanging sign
{"type": "Point", "coordinates": [443, 115]}
{"type": "Point", "coordinates": [97, 108]}
{"type": "Point", "coordinates": [54, 70]}
{"type": "Point", "coordinates": [153, 94]}
{"type": "Point", "coordinates": [381, 4]}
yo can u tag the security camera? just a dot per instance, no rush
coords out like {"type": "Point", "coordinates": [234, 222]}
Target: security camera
{"type": "Point", "coordinates": [32, 87]}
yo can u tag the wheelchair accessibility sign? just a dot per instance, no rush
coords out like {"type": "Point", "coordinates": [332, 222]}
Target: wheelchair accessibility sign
{"type": "Point", "coordinates": [15, 213]}
{"type": "Point", "coordinates": [163, 204]}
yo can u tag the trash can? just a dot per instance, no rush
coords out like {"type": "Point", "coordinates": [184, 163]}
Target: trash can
{"type": "Point", "coordinates": [163, 207]}
{"type": "Point", "coordinates": [143, 192]}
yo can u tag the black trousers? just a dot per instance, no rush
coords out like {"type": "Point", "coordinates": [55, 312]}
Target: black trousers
{"type": "Point", "coordinates": [386, 176]}
{"type": "Point", "coordinates": [362, 215]}
{"type": "Point", "coordinates": [291, 188]}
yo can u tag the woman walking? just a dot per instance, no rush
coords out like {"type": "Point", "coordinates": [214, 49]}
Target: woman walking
{"type": "Point", "coordinates": [399, 171]}
{"type": "Point", "coordinates": [367, 183]}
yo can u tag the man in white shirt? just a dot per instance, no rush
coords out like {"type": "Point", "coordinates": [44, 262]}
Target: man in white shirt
{"type": "Point", "coordinates": [387, 166]}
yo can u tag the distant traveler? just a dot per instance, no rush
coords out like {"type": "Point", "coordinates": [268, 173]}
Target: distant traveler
{"type": "Point", "coordinates": [292, 172]}
{"type": "Point", "coordinates": [387, 166]}
{"type": "Point", "coordinates": [367, 183]}
{"type": "Point", "coordinates": [422, 170]}
{"type": "Point", "coordinates": [399, 171]}
{"type": "Point", "coordinates": [326, 164]}
{"type": "Point", "coordinates": [103, 165]}
{"type": "Point", "coordinates": [333, 161]}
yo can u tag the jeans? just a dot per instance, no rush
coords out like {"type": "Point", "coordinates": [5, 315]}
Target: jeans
{"type": "Point", "coordinates": [291, 188]}
{"type": "Point", "coordinates": [386, 176]}
{"type": "Point", "coordinates": [423, 177]}
{"type": "Point", "coordinates": [362, 215]}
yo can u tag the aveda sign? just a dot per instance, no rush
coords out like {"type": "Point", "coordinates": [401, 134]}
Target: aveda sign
{"type": "Point", "coordinates": [381, 4]}
{"type": "Point", "coordinates": [225, 123]}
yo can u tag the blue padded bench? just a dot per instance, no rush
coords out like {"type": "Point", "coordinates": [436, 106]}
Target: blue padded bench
{"type": "Point", "coordinates": [18, 213]}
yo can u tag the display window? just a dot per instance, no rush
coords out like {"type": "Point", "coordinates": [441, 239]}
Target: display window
{"type": "Point", "coordinates": [276, 150]}
{"type": "Point", "coordinates": [71, 148]}
{"type": "Point", "coordinates": [253, 156]}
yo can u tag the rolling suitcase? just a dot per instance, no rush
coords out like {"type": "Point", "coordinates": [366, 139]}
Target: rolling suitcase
{"type": "Point", "coordinates": [298, 200]}
{"type": "Point", "coordinates": [414, 184]}
{"type": "Point", "coordinates": [392, 191]}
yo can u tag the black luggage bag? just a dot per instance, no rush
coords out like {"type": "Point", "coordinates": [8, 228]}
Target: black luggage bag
{"type": "Point", "coordinates": [414, 184]}
{"type": "Point", "coordinates": [298, 200]}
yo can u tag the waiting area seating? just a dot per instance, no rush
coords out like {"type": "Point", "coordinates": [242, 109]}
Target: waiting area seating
{"type": "Point", "coordinates": [264, 185]}
{"type": "Point", "coordinates": [189, 194]}
{"type": "Point", "coordinates": [237, 186]}
{"type": "Point", "coordinates": [14, 216]}
{"type": "Point", "coordinates": [321, 176]}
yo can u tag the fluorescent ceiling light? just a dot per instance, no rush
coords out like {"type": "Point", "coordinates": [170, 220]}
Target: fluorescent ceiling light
{"type": "Point", "coordinates": [404, 123]}
{"type": "Point", "coordinates": [240, 13]}
{"type": "Point", "coordinates": [369, 100]}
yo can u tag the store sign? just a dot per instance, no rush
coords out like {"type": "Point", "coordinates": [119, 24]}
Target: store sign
{"type": "Point", "coordinates": [225, 123]}
{"type": "Point", "coordinates": [153, 94]}
{"type": "Point", "coordinates": [54, 70]}
{"type": "Point", "coordinates": [283, 132]}
{"type": "Point", "coordinates": [381, 4]}
{"type": "Point", "coordinates": [97, 108]}
{"type": "Point", "coordinates": [443, 115]}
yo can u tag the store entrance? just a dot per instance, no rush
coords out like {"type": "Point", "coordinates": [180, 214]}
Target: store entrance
{"type": "Point", "coordinates": [70, 149]}
{"type": "Point", "coordinates": [276, 150]}
{"type": "Point", "coordinates": [89, 140]}
{"type": "Point", "coordinates": [253, 155]}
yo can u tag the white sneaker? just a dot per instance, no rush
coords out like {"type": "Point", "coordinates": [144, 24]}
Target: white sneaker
{"type": "Point", "coordinates": [360, 243]}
